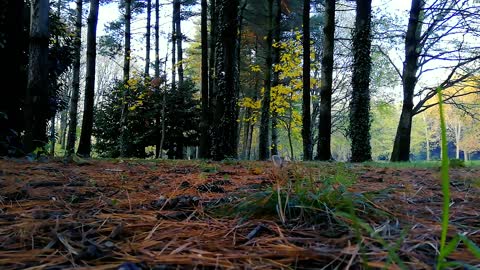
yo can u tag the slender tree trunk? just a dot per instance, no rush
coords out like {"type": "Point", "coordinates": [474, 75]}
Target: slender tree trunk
{"type": "Point", "coordinates": [179, 40]}
{"type": "Point", "coordinates": [147, 41]}
{"type": "Point", "coordinates": [36, 99]}
{"type": "Point", "coordinates": [164, 104]}
{"type": "Point", "coordinates": [204, 124]}
{"type": "Point", "coordinates": [158, 119]}
{"type": "Point", "coordinates": [72, 112]}
{"type": "Point", "coordinates": [458, 136]}
{"type": "Point", "coordinates": [325, 120]}
{"type": "Point", "coordinates": [174, 49]}
{"type": "Point", "coordinates": [226, 97]}
{"type": "Point", "coordinates": [52, 136]}
{"type": "Point", "coordinates": [276, 74]}
{"type": "Point", "coordinates": [263, 151]}
{"type": "Point", "coordinates": [401, 146]}
{"type": "Point", "coordinates": [63, 128]}
{"type": "Point", "coordinates": [85, 144]}
{"type": "Point", "coordinates": [126, 77]}
{"type": "Point", "coordinates": [427, 138]}
{"type": "Point", "coordinates": [306, 100]}
{"type": "Point", "coordinates": [212, 59]}
{"type": "Point", "coordinates": [360, 103]}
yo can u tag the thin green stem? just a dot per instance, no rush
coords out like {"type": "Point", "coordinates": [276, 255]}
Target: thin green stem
{"type": "Point", "coordinates": [445, 181]}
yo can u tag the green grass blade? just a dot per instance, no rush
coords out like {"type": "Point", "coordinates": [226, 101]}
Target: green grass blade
{"type": "Point", "coordinates": [444, 179]}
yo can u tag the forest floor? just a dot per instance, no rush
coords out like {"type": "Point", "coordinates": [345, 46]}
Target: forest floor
{"type": "Point", "coordinates": [133, 214]}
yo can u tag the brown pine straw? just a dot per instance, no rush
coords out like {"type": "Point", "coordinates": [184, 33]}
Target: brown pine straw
{"type": "Point", "coordinates": [105, 214]}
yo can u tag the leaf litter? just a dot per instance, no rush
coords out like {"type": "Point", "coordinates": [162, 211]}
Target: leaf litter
{"type": "Point", "coordinates": [157, 215]}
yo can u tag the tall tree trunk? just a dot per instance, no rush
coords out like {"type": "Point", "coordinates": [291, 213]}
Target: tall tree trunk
{"type": "Point", "coordinates": [306, 115]}
{"type": "Point", "coordinates": [263, 146]}
{"type": "Point", "coordinates": [213, 44]}
{"type": "Point", "coordinates": [276, 74]}
{"type": "Point", "coordinates": [401, 146]}
{"type": "Point", "coordinates": [72, 112]}
{"type": "Point", "coordinates": [85, 144]}
{"type": "Point", "coordinates": [147, 36]}
{"type": "Point", "coordinates": [360, 103]}
{"type": "Point", "coordinates": [174, 50]}
{"type": "Point", "coordinates": [123, 141]}
{"type": "Point", "coordinates": [179, 40]}
{"type": "Point", "coordinates": [13, 28]}
{"type": "Point", "coordinates": [226, 96]}
{"type": "Point", "coordinates": [205, 123]}
{"type": "Point", "coordinates": [159, 120]}
{"type": "Point", "coordinates": [164, 104]}
{"type": "Point", "coordinates": [37, 95]}
{"type": "Point", "coordinates": [325, 122]}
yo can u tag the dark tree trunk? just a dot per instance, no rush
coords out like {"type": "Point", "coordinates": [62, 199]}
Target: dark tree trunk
{"type": "Point", "coordinates": [205, 122]}
{"type": "Point", "coordinates": [72, 124]}
{"type": "Point", "coordinates": [123, 141]}
{"type": "Point", "coordinates": [179, 40]}
{"type": "Point", "coordinates": [306, 118]}
{"type": "Point", "coordinates": [85, 144]}
{"type": "Point", "coordinates": [37, 95]}
{"type": "Point", "coordinates": [147, 41]}
{"type": "Point", "coordinates": [263, 144]}
{"type": "Point", "coordinates": [213, 42]}
{"type": "Point", "coordinates": [401, 146]}
{"type": "Point", "coordinates": [53, 138]}
{"type": "Point", "coordinates": [276, 74]}
{"type": "Point", "coordinates": [225, 130]}
{"type": "Point", "coordinates": [13, 28]}
{"type": "Point", "coordinates": [174, 50]}
{"type": "Point", "coordinates": [63, 128]}
{"type": "Point", "coordinates": [325, 119]}
{"type": "Point", "coordinates": [360, 103]}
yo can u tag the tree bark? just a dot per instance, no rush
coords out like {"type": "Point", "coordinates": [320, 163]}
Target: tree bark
{"type": "Point", "coordinates": [276, 74]}
{"type": "Point", "coordinates": [85, 144]}
{"type": "Point", "coordinates": [263, 146]}
{"type": "Point", "coordinates": [306, 100]}
{"type": "Point", "coordinates": [360, 103]}
{"type": "Point", "coordinates": [123, 141]}
{"type": "Point", "coordinates": [37, 95]}
{"type": "Point", "coordinates": [325, 120]}
{"type": "Point", "coordinates": [179, 40]}
{"type": "Point", "coordinates": [225, 132]}
{"type": "Point", "coordinates": [205, 123]}
{"type": "Point", "coordinates": [401, 146]}
{"type": "Point", "coordinates": [72, 112]}
{"type": "Point", "coordinates": [147, 36]}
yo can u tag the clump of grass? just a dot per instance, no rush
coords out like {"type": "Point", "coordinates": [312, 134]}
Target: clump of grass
{"type": "Point", "coordinates": [457, 163]}
{"type": "Point", "coordinates": [308, 200]}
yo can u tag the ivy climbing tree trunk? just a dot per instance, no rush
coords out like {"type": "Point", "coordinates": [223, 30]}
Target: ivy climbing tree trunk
{"type": "Point", "coordinates": [306, 115]}
{"type": "Point", "coordinates": [325, 123]}
{"type": "Point", "coordinates": [264, 146]}
{"type": "Point", "coordinates": [36, 99]}
{"type": "Point", "coordinates": [360, 103]}
{"type": "Point", "coordinates": [72, 112]}
{"type": "Point", "coordinates": [204, 124]}
{"type": "Point", "coordinates": [224, 143]}
{"type": "Point", "coordinates": [85, 144]}
{"type": "Point", "coordinates": [401, 146]}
